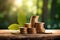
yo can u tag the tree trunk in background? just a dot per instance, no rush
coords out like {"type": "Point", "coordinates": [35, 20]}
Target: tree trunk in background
{"type": "Point", "coordinates": [53, 10]}
{"type": "Point", "coordinates": [45, 12]}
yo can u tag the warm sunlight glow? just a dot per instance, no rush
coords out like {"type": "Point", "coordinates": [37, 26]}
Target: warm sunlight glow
{"type": "Point", "coordinates": [34, 9]}
{"type": "Point", "coordinates": [29, 3]}
{"type": "Point", "coordinates": [48, 31]}
{"type": "Point", "coordinates": [18, 3]}
{"type": "Point", "coordinates": [52, 31]}
{"type": "Point", "coordinates": [14, 9]}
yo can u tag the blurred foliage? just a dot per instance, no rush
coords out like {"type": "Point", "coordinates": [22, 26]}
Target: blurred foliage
{"type": "Point", "coordinates": [11, 14]}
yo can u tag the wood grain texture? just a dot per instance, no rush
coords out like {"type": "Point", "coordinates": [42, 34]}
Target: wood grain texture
{"type": "Point", "coordinates": [16, 36]}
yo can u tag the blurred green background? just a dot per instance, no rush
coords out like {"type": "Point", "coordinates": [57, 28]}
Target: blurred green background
{"type": "Point", "coordinates": [20, 11]}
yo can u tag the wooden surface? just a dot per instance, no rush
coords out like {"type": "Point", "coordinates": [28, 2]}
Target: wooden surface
{"type": "Point", "coordinates": [14, 34]}
{"type": "Point", "coordinates": [17, 31]}
{"type": "Point", "coordinates": [29, 36]}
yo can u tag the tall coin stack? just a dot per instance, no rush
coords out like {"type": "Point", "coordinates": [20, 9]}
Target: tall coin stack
{"type": "Point", "coordinates": [33, 20]}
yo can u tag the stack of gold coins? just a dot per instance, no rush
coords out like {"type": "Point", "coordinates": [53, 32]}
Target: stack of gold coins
{"type": "Point", "coordinates": [23, 30]}
{"type": "Point", "coordinates": [33, 20]}
{"type": "Point", "coordinates": [31, 30]}
{"type": "Point", "coordinates": [40, 27]}
{"type": "Point", "coordinates": [27, 25]}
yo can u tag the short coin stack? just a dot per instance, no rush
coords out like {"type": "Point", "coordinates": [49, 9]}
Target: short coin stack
{"type": "Point", "coordinates": [33, 27]}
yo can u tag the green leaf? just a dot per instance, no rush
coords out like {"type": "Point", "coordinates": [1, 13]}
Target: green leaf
{"type": "Point", "coordinates": [21, 17]}
{"type": "Point", "coordinates": [13, 27]}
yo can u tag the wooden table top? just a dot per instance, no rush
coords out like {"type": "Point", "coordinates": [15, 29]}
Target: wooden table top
{"type": "Point", "coordinates": [10, 33]}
